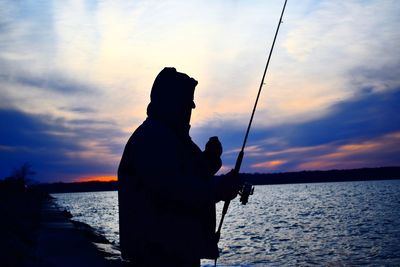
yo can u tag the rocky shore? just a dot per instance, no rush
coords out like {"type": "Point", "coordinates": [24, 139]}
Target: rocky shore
{"type": "Point", "coordinates": [35, 232]}
{"type": "Point", "coordinates": [63, 242]}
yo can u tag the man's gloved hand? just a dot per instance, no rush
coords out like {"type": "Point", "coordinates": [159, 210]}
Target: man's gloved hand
{"type": "Point", "coordinates": [228, 186]}
{"type": "Point", "coordinates": [214, 147]}
{"type": "Point", "coordinates": [212, 153]}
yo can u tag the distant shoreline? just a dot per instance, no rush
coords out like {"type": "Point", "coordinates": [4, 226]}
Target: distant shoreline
{"type": "Point", "coordinates": [363, 174]}
{"type": "Point", "coordinates": [303, 177]}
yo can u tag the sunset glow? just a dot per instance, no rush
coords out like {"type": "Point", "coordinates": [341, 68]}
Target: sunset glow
{"type": "Point", "coordinates": [97, 179]}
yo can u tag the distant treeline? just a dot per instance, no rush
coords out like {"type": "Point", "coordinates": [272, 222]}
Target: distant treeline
{"type": "Point", "coordinates": [79, 187]}
{"type": "Point", "coordinates": [20, 209]}
{"type": "Point", "coordinates": [365, 174]}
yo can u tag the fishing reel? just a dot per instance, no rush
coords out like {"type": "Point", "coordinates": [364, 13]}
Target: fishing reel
{"type": "Point", "coordinates": [244, 192]}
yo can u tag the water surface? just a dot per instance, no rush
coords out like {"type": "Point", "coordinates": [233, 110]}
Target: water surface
{"type": "Point", "coordinates": [352, 223]}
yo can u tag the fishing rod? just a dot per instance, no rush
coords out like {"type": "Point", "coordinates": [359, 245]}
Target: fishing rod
{"type": "Point", "coordinates": [247, 188]}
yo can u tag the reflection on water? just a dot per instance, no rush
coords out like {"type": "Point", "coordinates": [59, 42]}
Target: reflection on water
{"type": "Point", "coordinates": [354, 223]}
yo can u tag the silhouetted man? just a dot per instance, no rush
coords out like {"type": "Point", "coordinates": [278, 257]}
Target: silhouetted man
{"type": "Point", "coordinates": [167, 188]}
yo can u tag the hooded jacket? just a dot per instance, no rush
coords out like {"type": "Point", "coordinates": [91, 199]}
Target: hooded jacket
{"type": "Point", "coordinates": [166, 191]}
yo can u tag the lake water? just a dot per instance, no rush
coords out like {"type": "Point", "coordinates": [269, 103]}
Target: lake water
{"type": "Point", "coordinates": [328, 224]}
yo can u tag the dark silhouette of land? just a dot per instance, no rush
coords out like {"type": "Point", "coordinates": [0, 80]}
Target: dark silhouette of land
{"type": "Point", "coordinates": [20, 208]}
{"type": "Point", "coordinates": [36, 232]}
{"type": "Point", "coordinates": [363, 174]}
{"type": "Point", "coordinates": [79, 187]}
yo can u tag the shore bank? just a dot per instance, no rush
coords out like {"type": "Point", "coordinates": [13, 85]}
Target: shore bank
{"type": "Point", "coordinates": [35, 232]}
{"type": "Point", "coordinates": [63, 242]}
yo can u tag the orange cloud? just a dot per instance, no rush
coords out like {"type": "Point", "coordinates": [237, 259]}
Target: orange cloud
{"type": "Point", "coordinates": [355, 154]}
{"type": "Point", "coordinates": [297, 150]}
{"type": "Point", "coordinates": [345, 151]}
{"type": "Point", "coordinates": [326, 164]}
{"type": "Point", "coordinates": [269, 164]}
{"type": "Point", "coordinates": [109, 178]}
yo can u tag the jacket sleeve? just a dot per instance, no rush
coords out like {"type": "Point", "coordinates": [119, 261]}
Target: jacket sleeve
{"type": "Point", "coordinates": [164, 173]}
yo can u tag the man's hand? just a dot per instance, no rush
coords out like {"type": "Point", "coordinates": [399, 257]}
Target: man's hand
{"type": "Point", "coordinates": [214, 147]}
{"type": "Point", "coordinates": [228, 186]}
{"type": "Point", "coordinates": [213, 152]}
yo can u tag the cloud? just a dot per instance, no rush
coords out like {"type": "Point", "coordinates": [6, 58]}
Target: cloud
{"type": "Point", "coordinates": [357, 133]}
{"type": "Point", "coordinates": [53, 82]}
{"type": "Point", "coordinates": [58, 149]}
{"type": "Point", "coordinates": [380, 151]}
{"type": "Point", "coordinates": [327, 52]}
{"type": "Point", "coordinates": [383, 150]}
{"type": "Point", "coordinates": [323, 54]}
{"type": "Point", "coordinates": [79, 109]}
{"type": "Point", "coordinates": [273, 164]}
{"type": "Point", "coordinates": [78, 73]}
{"type": "Point", "coordinates": [331, 52]}
{"type": "Point", "coordinates": [340, 32]}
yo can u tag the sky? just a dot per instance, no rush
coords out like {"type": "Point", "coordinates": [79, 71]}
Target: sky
{"type": "Point", "coordinates": [75, 80]}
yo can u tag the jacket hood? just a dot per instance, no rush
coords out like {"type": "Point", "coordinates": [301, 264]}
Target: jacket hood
{"type": "Point", "coordinates": [171, 99]}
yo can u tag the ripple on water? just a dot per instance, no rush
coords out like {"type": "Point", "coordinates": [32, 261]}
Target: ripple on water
{"type": "Point", "coordinates": [332, 224]}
